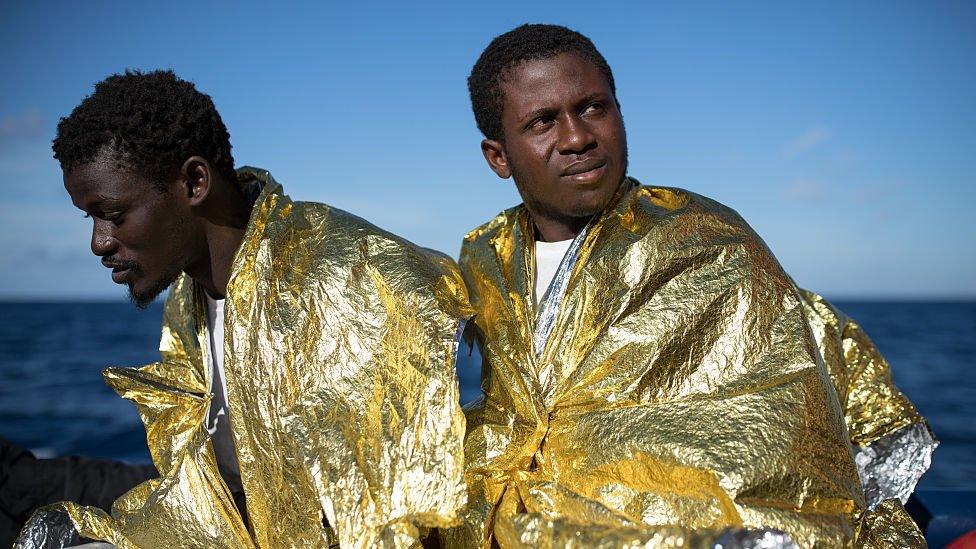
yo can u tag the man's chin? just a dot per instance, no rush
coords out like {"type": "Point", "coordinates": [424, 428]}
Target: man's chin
{"type": "Point", "coordinates": [587, 209]}
{"type": "Point", "coordinates": [143, 298]}
{"type": "Point", "coordinates": [592, 202]}
{"type": "Point", "coordinates": [141, 301]}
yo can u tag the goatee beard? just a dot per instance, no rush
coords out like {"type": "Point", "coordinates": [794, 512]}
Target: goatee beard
{"type": "Point", "coordinates": [142, 300]}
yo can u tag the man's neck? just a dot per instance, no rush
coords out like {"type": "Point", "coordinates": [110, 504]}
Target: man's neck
{"type": "Point", "coordinates": [224, 233]}
{"type": "Point", "coordinates": [551, 230]}
{"type": "Point", "coordinates": [223, 243]}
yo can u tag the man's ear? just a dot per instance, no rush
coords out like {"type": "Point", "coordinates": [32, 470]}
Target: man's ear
{"type": "Point", "coordinates": [197, 179]}
{"type": "Point", "coordinates": [494, 153]}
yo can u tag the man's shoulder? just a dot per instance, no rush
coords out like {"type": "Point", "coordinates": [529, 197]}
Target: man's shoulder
{"type": "Point", "coordinates": [642, 208]}
{"type": "Point", "coordinates": [686, 206]}
{"type": "Point", "coordinates": [505, 219]}
{"type": "Point", "coordinates": [503, 222]}
{"type": "Point", "coordinates": [688, 220]}
{"type": "Point", "coordinates": [682, 223]}
{"type": "Point", "coordinates": [334, 235]}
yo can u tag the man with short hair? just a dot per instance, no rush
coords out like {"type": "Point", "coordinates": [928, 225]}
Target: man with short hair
{"type": "Point", "coordinates": [651, 376]}
{"type": "Point", "coordinates": [306, 354]}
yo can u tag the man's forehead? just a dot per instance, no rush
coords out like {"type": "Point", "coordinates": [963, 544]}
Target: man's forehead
{"type": "Point", "coordinates": [95, 174]}
{"type": "Point", "coordinates": [104, 178]}
{"type": "Point", "coordinates": [536, 80]}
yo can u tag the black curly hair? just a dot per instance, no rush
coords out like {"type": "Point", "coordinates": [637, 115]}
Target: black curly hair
{"type": "Point", "coordinates": [152, 122]}
{"type": "Point", "coordinates": [507, 51]}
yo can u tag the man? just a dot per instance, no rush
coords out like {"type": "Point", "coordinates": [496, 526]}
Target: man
{"type": "Point", "coordinates": [305, 352]}
{"type": "Point", "coordinates": [651, 376]}
{"type": "Point", "coordinates": [27, 482]}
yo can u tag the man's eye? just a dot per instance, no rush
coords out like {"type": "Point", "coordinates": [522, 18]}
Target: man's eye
{"type": "Point", "coordinates": [541, 122]}
{"type": "Point", "coordinates": [593, 108]}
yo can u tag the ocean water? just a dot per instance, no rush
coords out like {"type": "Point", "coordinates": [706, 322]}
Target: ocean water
{"type": "Point", "coordinates": [53, 399]}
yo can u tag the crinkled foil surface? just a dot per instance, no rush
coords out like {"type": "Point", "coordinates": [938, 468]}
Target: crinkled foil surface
{"type": "Point", "coordinates": [339, 354]}
{"type": "Point", "coordinates": [892, 443]}
{"type": "Point", "coordinates": [750, 539]}
{"type": "Point", "coordinates": [680, 395]}
{"type": "Point", "coordinates": [48, 527]}
{"type": "Point", "coordinates": [891, 466]}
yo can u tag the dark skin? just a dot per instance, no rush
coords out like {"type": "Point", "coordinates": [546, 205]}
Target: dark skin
{"type": "Point", "coordinates": [148, 235]}
{"type": "Point", "coordinates": [564, 142]}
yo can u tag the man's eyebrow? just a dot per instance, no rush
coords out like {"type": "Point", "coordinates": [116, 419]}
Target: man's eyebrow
{"type": "Point", "coordinates": [549, 111]}
{"type": "Point", "coordinates": [597, 96]}
{"type": "Point", "coordinates": [98, 204]}
{"type": "Point", "coordinates": [101, 199]}
{"type": "Point", "coordinates": [537, 113]}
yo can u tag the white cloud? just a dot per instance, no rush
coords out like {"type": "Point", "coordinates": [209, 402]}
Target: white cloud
{"type": "Point", "coordinates": [809, 139]}
{"type": "Point", "coordinates": [27, 125]}
{"type": "Point", "coordinates": [868, 194]}
{"type": "Point", "coordinates": [805, 190]}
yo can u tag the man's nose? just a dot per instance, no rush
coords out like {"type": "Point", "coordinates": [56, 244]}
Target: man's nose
{"type": "Point", "coordinates": [102, 242]}
{"type": "Point", "coordinates": [575, 136]}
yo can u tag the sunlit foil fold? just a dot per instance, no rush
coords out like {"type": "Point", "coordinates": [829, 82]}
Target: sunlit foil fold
{"type": "Point", "coordinates": [891, 466]}
{"type": "Point", "coordinates": [687, 389]}
{"type": "Point", "coordinates": [892, 443]}
{"type": "Point", "coordinates": [48, 528]}
{"type": "Point", "coordinates": [339, 350]}
{"type": "Point", "coordinates": [751, 539]}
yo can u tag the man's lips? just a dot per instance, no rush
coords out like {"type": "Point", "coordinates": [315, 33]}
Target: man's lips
{"type": "Point", "coordinates": [118, 275]}
{"type": "Point", "coordinates": [583, 166]}
{"type": "Point", "coordinates": [119, 270]}
{"type": "Point", "coordinates": [585, 170]}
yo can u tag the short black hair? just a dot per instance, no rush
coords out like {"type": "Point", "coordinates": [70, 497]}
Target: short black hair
{"type": "Point", "coordinates": [507, 51]}
{"type": "Point", "coordinates": [153, 121]}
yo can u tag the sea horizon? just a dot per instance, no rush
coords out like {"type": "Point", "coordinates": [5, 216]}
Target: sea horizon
{"type": "Point", "coordinates": [53, 399]}
{"type": "Point", "coordinates": [833, 298]}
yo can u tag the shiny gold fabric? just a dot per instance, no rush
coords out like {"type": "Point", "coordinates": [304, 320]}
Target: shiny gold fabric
{"type": "Point", "coordinates": [680, 393]}
{"type": "Point", "coordinates": [339, 353]}
{"type": "Point", "coordinates": [890, 526]}
{"type": "Point", "coordinates": [873, 406]}
{"type": "Point", "coordinates": [892, 443]}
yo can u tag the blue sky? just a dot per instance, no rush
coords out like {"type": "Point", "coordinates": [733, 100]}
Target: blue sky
{"type": "Point", "coordinates": [843, 132]}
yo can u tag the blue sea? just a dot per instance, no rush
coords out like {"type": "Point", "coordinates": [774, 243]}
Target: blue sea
{"type": "Point", "coordinates": [53, 400]}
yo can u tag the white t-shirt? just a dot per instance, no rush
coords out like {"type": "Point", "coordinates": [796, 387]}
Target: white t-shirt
{"type": "Point", "coordinates": [218, 417]}
{"type": "Point", "coordinates": [547, 258]}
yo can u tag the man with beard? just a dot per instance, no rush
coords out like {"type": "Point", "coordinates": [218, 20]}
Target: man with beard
{"type": "Point", "coordinates": [651, 376]}
{"type": "Point", "coordinates": [307, 356]}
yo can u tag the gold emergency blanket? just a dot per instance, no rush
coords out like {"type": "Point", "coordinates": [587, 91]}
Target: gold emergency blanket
{"type": "Point", "coordinates": [892, 443]}
{"type": "Point", "coordinates": [873, 406]}
{"type": "Point", "coordinates": [339, 356]}
{"type": "Point", "coordinates": [678, 395]}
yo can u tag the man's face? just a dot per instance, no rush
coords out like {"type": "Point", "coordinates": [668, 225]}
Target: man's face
{"type": "Point", "coordinates": [141, 232]}
{"type": "Point", "coordinates": [564, 144]}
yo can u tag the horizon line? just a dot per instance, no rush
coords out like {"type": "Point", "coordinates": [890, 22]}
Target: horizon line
{"type": "Point", "coordinates": [839, 297]}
